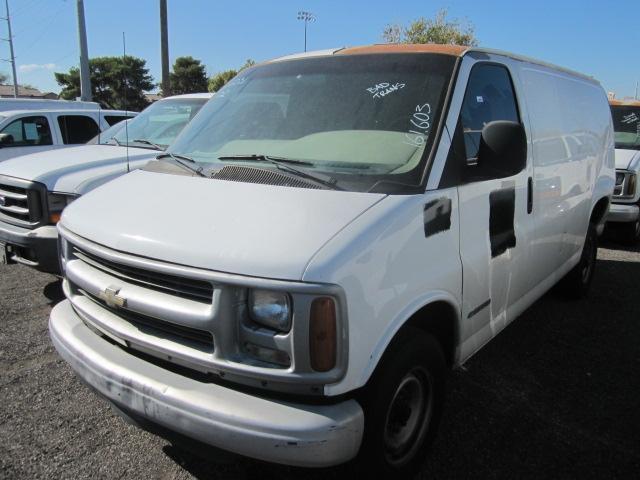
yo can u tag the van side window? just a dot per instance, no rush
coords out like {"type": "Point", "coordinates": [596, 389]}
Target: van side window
{"type": "Point", "coordinates": [77, 128]}
{"type": "Point", "coordinates": [489, 96]}
{"type": "Point", "coordinates": [26, 131]}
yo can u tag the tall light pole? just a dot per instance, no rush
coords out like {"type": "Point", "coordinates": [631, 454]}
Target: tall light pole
{"type": "Point", "coordinates": [306, 17]}
{"type": "Point", "coordinates": [164, 49]}
{"type": "Point", "coordinates": [85, 78]}
{"type": "Point", "coordinates": [13, 58]}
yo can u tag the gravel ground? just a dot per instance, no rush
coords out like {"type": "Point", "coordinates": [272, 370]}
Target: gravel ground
{"type": "Point", "coordinates": [554, 395]}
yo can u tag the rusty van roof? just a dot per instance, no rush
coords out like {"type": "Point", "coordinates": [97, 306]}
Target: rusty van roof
{"type": "Point", "coordinates": [625, 102]}
{"type": "Point", "coordinates": [452, 50]}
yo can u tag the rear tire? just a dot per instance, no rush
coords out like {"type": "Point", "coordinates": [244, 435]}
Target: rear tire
{"type": "Point", "coordinates": [577, 282]}
{"type": "Point", "coordinates": [402, 406]}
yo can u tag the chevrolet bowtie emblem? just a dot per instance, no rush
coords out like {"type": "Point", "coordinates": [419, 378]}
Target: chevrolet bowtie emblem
{"type": "Point", "coordinates": [111, 297]}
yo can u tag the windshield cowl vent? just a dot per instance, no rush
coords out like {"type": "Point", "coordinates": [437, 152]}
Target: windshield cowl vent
{"type": "Point", "coordinates": [235, 173]}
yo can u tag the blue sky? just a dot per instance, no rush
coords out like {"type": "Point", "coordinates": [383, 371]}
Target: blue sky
{"type": "Point", "coordinates": [600, 38]}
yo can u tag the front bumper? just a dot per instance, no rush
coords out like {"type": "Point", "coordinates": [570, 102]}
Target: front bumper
{"type": "Point", "coordinates": [37, 248]}
{"type": "Point", "coordinates": [271, 430]}
{"type": "Point", "coordinates": [623, 213]}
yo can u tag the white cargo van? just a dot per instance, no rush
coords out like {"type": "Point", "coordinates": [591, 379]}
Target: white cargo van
{"type": "Point", "coordinates": [624, 213]}
{"type": "Point", "coordinates": [34, 189]}
{"type": "Point", "coordinates": [31, 131]}
{"type": "Point", "coordinates": [341, 228]}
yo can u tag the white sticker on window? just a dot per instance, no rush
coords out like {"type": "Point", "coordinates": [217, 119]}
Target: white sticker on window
{"type": "Point", "coordinates": [31, 131]}
{"type": "Point", "coordinates": [479, 99]}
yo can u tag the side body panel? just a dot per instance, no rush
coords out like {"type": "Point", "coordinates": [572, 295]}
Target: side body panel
{"type": "Point", "coordinates": [392, 260]}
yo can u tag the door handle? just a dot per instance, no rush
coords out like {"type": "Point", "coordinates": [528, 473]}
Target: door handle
{"type": "Point", "coordinates": [529, 195]}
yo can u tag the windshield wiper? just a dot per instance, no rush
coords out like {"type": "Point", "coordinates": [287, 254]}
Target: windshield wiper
{"type": "Point", "coordinates": [179, 160]}
{"type": "Point", "coordinates": [285, 164]}
{"type": "Point", "coordinates": [115, 140]}
{"type": "Point", "coordinates": [147, 142]}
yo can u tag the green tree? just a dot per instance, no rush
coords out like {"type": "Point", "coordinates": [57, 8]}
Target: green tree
{"type": "Point", "coordinates": [3, 78]}
{"type": "Point", "coordinates": [188, 76]}
{"type": "Point", "coordinates": [116, 82]}
{"type": "Point", "coordinates": [432, 30]}
{"type": "Point", "coordinates": [220, 79]}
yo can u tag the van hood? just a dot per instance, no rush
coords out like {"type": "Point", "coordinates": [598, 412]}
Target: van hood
{"type": "Point", "coordinates": [76, 169]}
{"type": "Point", "coordinates": [627, 159]}
{"type": "Point", "coordinates": [247, 229]}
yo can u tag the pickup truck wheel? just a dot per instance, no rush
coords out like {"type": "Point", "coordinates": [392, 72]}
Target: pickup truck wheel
{"type": "Point", "coordinates": [577, 282]}
{"type": "Point", "coordinates": [402, 405]}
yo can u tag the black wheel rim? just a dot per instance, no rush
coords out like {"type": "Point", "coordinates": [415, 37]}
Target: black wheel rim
{"type": "Point", "coordinates": [408, 417]}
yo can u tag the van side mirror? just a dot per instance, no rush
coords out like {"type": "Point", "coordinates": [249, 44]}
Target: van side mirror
{"type": "Point", "coordinates": [503, 150]}
{"type": "Point", "coordinates": [6, 139]}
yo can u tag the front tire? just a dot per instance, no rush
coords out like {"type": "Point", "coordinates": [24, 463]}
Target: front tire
{"type": "Point", "coordinates": [630, 233]}
{"type": "Point", "coordinates": [402, 405]}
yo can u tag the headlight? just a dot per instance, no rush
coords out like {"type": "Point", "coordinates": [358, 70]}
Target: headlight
{"type": "Point", "coordinates": [271, 309]}
{"type": "Point", "coordinates": [619, 178]}
{"type": "Point", "coordinates": [57, 202]}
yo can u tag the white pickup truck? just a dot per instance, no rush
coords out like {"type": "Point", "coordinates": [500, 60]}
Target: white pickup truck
{"type": "Point", "coordinates": [624, 214]}
{"type": "Point", "coordinates": [31, 131]}
{"type": "Point", "coordinates": [34, 189]}
{"type": "Point", "coordinates": [334, 230]}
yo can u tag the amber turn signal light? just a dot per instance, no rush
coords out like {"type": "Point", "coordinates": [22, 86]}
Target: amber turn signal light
{"type": "Point", "coordinates": [54, 218]}
{"type": "Point", "coordinates": [322, 334]}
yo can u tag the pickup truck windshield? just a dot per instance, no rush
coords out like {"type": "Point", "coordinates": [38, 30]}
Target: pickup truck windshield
{"type": "Point", "coordinates": [158, 124]}
{"type": "Point", "coordinates": [361, 120]}
{"type": "Point", "coordinates": [626, 125]}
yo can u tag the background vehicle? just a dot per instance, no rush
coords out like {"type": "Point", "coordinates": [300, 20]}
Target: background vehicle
{"type": "Point", "coordinates": [34, 189]}
{"type": "Point", "coordinates": [624, 213]}
{"type": "Point", "coordinates": [31, 131]}
{"type": "Point", "coordinates": [38, 104]}
{"type": "Point", "coordinates": [343, 226]}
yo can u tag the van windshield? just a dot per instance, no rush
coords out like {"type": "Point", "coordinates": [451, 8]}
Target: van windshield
{"type": "Point", "coordinates": [158, 124]}
{"type": "Point", "coordinates": [359, 119]}
{"type": "Point", "coordinates": [626, 125]}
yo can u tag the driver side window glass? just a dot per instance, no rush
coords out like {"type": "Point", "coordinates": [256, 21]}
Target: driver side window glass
{"type": "Point", "coordinates": [489, 97]}
{"type": "Point", "coordinates": [27, 131]}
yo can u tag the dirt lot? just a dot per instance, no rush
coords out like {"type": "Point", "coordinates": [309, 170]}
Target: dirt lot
{"type": "Point", "coordinates": [555, 395]}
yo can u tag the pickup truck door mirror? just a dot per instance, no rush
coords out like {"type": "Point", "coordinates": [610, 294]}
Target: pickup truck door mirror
{"type": "Point", "coordinates": [5, 139]}
{"type": "Point", "coordinates": [502, 152]}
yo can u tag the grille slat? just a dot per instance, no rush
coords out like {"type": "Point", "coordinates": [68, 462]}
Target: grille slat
{"type": "Point", "coordinates": [174, 285]}
{"type": "Point", "coordinates": [21, 202]}
{"type": "Point", "coordinates": [202, 337]}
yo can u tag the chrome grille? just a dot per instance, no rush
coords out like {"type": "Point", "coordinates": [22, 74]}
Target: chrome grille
{"type": "Point", "coordinates": [625, 186]}
{"type": "Point", "coordinates": [21, 202]}
{"type": "Point", "coordinates": [161, 282]}
{"type": "Point", "coordinates": [155, 326]}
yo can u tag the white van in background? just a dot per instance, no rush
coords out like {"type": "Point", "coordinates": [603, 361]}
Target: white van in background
{"type": "Point", "coordinates": [624, 214]}
{"type": "Point", "coordinates": [44, 104]}
{"type": "Point", "coordinates": [334, 230]}
{"type": "Point", "coordinates": [30, 131]}
{"type": "Point", "coordinates": [34, 189]}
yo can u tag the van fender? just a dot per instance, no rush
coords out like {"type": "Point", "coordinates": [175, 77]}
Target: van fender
{"type": "Point", "coordinates": [401, 319]}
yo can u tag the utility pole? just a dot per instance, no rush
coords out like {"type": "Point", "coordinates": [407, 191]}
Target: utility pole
{"type": "Point", "coordinates": [85, 79]}
{"type": "Point", "coordinates": [13, 58]}
{"type": "Point", "coordinates": [164, 49]}
{"type": "Point", "coordinates": [636, 89]}
{"type": "Point", "coordinates": [306, 17]}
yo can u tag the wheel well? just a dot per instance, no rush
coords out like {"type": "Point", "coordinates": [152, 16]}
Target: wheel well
{"type": "Point", "coordinates": [599, 211]}
{"type": "Point", "coordinates": [439, 319]}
